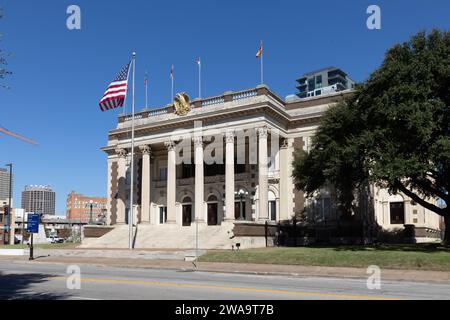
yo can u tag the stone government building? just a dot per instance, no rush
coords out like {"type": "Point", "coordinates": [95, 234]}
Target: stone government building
{"type": "Point", "coordinates": [233, 202]}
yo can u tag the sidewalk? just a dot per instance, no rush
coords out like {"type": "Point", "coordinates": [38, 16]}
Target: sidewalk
{"type": "Point", "coordinates": [135, 260]}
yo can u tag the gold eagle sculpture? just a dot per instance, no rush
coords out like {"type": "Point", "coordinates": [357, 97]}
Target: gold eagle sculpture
{"type": "Point", "coordinates": [181, 103]}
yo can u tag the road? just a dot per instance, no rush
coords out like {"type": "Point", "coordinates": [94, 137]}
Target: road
{"type": "Point", "coordinates": [24, 280]}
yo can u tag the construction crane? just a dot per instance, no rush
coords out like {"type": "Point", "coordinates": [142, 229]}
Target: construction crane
{"type": "Point", "coordinates": [18, 136]}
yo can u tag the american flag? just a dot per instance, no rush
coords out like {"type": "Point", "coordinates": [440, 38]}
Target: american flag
{"type": "Point", "coordinates": [117, 91]}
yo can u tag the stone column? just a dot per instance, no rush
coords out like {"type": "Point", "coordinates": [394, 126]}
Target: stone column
{"type": "Point", "coordinates": [262, 174]}
{"type": "Point", "coordinates": [199, 179]}
{"type": "Point", "coordinates": [284, 180]}
{"type": "Point", "coordinates": [171, 182]}
{"type": "Point", "coordinates": [121, 188]}
{"type": "Point", "coordinates": [229, 175]}
{"type": "Point", "coordinates": [146, 184]}
{"type": "Point", "coordinates": [109, 194]}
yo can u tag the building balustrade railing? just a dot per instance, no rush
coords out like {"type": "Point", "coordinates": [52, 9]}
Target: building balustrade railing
{"type": "Point", "coordinates": [244, 95]}
{"type": "Point", "coordinates": [216, 100]}
{"type": "Point", "coordinates": [198, 103]}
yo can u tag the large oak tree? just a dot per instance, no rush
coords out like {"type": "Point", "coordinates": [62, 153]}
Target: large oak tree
{"type": "Point", "coordinates": [393, 131]}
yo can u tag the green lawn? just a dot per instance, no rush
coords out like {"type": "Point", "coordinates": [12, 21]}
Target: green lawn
{"type": "Point", "coordinates": [67, 245]}
{"type": "Point", "coordinates": [418, 257]}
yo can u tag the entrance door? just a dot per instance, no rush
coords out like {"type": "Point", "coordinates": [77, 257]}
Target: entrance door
{"type": "Point", "coordinates": [397, 212]}
{"type": "Point", "coordinates": [273, 210]}
{"type": "Point", "coordinates": [212, 214]}
{"type": "Point", "coordinates": [187, 214]}
{"type": "Point", "coordinates": [162, 215]}
{"type": "Point", "coordinates": [237, 210]}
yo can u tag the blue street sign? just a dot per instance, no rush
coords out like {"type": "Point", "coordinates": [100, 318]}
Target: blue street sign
{"type": "Point", "coordinates": [33, 223]}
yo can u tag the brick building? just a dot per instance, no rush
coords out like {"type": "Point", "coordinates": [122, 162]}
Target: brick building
{"type": "Point", "coordinates": [79, 206]}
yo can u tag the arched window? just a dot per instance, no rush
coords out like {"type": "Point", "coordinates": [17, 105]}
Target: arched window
{"type": "Point", "coordinates": [187, 200]}
{"type": "Point", "coordinates": [212, 198]}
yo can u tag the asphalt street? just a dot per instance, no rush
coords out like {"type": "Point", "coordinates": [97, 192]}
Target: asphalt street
{"type": "Point", "coordinates": [37, 280]}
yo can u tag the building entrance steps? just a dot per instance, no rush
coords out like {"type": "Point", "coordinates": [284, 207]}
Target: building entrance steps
{"type": "Point", "coordinates": [168, 236]}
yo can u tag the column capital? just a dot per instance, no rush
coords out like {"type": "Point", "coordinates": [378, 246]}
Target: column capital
{"type": "Point", "coordinates": [198, 141]}
{"type": "Point", "coordinates": [284, 143]}
{"type": "Point", "coordinates": [262, 132]}
{"type": "Point", "coordinates": [170, 145]}
{"type": "Point", "coordinates": [229, 136]}
{"type": "Point", "coordinates": [121, 152]}
{"type": "Point", "coordinates": [145, 149]}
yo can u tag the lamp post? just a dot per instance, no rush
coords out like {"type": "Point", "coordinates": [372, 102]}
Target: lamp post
{"type": "Point", "coordinates": [91, 205]}
{"type": "Point", "coordinates": [241, 193]}
{"type": "Point", "coordinates": [9, 201]}
{"type": "Point", "coordinates": [5, 225]}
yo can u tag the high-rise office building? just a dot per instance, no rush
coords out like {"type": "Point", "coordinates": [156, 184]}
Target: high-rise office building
{"type": "Point", "coordinates": [4, 186]}
{"type": "Point", "coordinates": [38, 199]}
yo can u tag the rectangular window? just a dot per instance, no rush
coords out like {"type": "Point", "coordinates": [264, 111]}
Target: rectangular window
{"type": "Point", "coordinates": [311, 84]}
{"type": "Point", "coordinates": [319, 79]}
{"type": "Point", "coordinates": [322, 208]}
{"type": "Point", "coordinates": [397, 212]}
{"type": "Point", "coordinates": [327, 207]}
{"type": "Point", "coordinates": [163, 173]}
{"type": "Point", "coordinates": [239, 168]}
{"type": "Point", "coordinates": [188, 171]}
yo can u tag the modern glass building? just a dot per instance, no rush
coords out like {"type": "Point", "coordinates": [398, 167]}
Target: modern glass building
{"type": "Point", "coordinates": [323, 81]}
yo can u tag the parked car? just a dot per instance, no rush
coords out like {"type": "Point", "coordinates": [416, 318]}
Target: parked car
{"type": "Point", "coordinates": [55, 239]}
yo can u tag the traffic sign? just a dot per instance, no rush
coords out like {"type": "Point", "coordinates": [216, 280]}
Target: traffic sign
{"type": "Point", "coordinates": [33, 223]}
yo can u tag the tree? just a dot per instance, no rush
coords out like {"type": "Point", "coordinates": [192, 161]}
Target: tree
{"type": "Point", "coordinates": [394, 130]}
{"type": "Point", "coordinates": [3, 71]}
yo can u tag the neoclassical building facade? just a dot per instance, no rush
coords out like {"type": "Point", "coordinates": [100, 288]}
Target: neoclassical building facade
{"type": "Point", "coordinates": [224, 161]}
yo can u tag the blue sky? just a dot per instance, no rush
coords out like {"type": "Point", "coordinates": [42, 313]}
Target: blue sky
{"type": "Point", "coordinates": [60, 75]}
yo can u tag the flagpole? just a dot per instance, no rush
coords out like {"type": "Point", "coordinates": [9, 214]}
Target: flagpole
{"type": "Point", "coordinates": [199, 78]}
{"type": "Point", "coordinates": [171, 77]}
{"type": "Point", "coordinates": [146, 90]}
{"type": "Point", "coordinates": [262, 63]}
{"type": "Point", "coordinates": [130, 212]}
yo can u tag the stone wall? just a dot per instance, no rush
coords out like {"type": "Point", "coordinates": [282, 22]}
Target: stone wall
{"type": "Point", "coordinates": [96, 231]}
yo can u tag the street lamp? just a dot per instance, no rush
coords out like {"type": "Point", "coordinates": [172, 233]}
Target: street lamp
{"type": "Point", "coordinates": [241, 194]}
{"type": "Point", "coordinates": [91, 205]}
